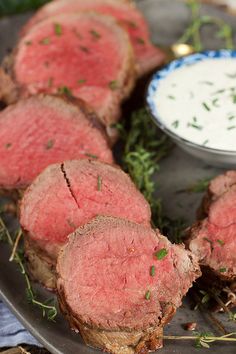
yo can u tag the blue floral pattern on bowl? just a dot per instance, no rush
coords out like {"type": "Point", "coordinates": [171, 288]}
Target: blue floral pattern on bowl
{"type": "Point", "coordinates": [178, 63]}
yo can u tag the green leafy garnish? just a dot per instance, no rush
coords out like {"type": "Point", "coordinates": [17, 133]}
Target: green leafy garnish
{"type": "Point", "coordinates": [161, 254]}
{"type": "Point", "coordinates": [113, 85]}
{"type": "Point", "coordinates": [148, 295]}
{"type": "Point", "coordinates": [57, 29]}
{"type": "Point", "coordinates": [152, 271]}
{"type": "Point", "coordinates": [64, 90]}
{"type": "Point", "coordinates": [95, 34]}
{"type": "Point", "coordinates": [223, 270]}
{"type": "Point", "coordinates": [99, 183]}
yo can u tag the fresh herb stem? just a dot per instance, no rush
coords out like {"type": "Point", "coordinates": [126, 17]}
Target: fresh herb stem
{"type": "Point", "coordinates": [192, 34]}
{"type": "Point", "coordinates": [47, 310]}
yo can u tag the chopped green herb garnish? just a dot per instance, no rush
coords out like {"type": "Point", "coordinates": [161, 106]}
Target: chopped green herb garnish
{"type": "Point", "coordinates": [161, 254]}
{"type": "Point", "coordinates": [152, 271]}
{"type": "Point", "coordinates": [234, 98]}
{"type": "Point", "coordinates": [57, 29]}
{"type": "Point", "coordinates": [221, 242]}
{"type": "Point", "coordinates": [92, 156]}
{"type": "Point", "coordinates": [223, 270]}
{"type": "Point", "coordinates": [84, 49]}
{"type": "Point", "coordinates": [8, 145]}
{"type": "Point", "coordinates": [99, 183]}
{"type": "Point", "coordinates": [132, 24]}
{"type": "Point", "coordinates": [49, 144]}
{"type": "Point", "coordinates": [231, 117]}
{"type": "Point", "coordinates": [215, 102]}
{"type": "Point", "coordinates": [231, 76]}
{"type": "Point", "coordinates": [219, 91]}
{"type": "Point", "coordinates": [95, 34]}
{"type": "Point", "coordinates": [196, 126]}
{"type": "Point", "coordinates": [231, 127]}
{"type": "Point", "coordinates": [81, 81]}
{"type": "Point", "coordinates": [148, 295]}
{"type": "Point", "coordinates": [205, 142]}
{"type": "Point", "coordinates": [113, 85]}
{"type": "Point", "coordinates": [45, 41]}
{"type": "Point", "coordinates": [140, 40]}
{"type": "Point", "coordinates": [206, 106]}
{"type": "Point", "coordinates": [50, 82]}
{"type": "Point", "coordinates": [171, 97]}
{"type": "Point", "coordinates": [64, 90]}
{"type": "Point", "coordinates": [195, 119]}
{"type": "Point", "coordinates": [175, 124]}
{"type": "Point", "coordinates": [207, 83]}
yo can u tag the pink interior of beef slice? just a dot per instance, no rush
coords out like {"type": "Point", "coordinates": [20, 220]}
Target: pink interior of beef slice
{"type": "Point", "coordinates": [105, 274]}
{"type": "Point", "coordinates": [213, 240]}
{"type": "Point", "coordinates": [74, 51]}
{"type": "Point", "coordinates": [42, 130]}
{"type": "Point", "coordinates": [147, 55]}
{"type": "Point", "coordinates": [68, 195]}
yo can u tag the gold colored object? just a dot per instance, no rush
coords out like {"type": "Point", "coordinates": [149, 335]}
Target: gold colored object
{"type": "Point", "coordinates": [181, 49]}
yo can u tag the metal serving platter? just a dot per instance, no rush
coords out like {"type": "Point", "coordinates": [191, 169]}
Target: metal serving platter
{"type": "Point", "coordinates": [167, 19]}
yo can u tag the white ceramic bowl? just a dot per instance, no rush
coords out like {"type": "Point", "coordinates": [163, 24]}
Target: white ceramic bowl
{"type": "Point", "coordinates": [212, 156]}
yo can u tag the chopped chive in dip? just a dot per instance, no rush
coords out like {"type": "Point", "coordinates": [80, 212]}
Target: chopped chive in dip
{"type": "Point", "coordinates": [234, 98]}
{"type": "Point", "coordinates": [175, 124]}
{"type": "Point", "coordinates": [81, 81]}
{"type": "Point", "coordinates": [92, 156]}
{"type": "Point", "coordinates": [171, 97]}
{"type": "Point", "coordinates": [220, 242]}
{"type": "Point", "coordinates": [219, 91]}
{"type": "Point", "coordinates": [161, 254]}
{"type": "Point", "coordinates": [99, 183]}
{"type": "Point", "coordinates": [223, 270]}
{"type": "Point", "coordinates": [205, 105]}
{"type": "Point", "coordinates": [45, 41]}
{"type": "Point", "coordinates": [113, 85]}
{"type": "Point", "coordinates": [57, 29]}
{"type": "Point", "coordinates": [152, 271]}
{"type": "Point", "coordinates": [231, 117]}
{"type": "Point", "coordinates": [231, 127]}
{"type": "Point", "coordinates": [231, 76]}
{"type": "Point", "coordinates": [148, 295]}
{"type": "Point", "coordinates": [95, 34]}
{"type": "Point", "coordinates": [49, 144]}
{"type": "Point", "coordinates": [207, 83]}
{"type": "Point", "coordinates": [196, 126]}
{"type": "Point", "coordinates": [64, 90]}
{"type": "Point", "coordinates": [205, 142]}
{"type": "Point", "coordinates": [215, 102]}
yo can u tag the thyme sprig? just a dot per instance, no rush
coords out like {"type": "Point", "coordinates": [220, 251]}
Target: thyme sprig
{"type": "Point", "coordinates": [204, 339]}
{"type": "Point", "coordinates": [48, 311]}
{"type": "Point", "coordinates": [192, 34]}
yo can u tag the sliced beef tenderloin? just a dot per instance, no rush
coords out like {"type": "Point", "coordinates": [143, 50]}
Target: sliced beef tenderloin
{"type": "Point", "coordinates": [147, 55]}
{"type": "Point", "coordinates": [42, 130]}
{"type": "Point", "coordinates": [213, 239]}
{"type": "Point", "coordinates": [119, 283]}
{"type": "Point", "coordinates": [68, 195]}
{"type": "Point", "coordinates": [85, 55]}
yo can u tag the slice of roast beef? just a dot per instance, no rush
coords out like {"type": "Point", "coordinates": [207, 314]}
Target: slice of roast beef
{"type": "Point", "coordinates": [213, 239]}
{"type": "Point", "coordinates": [147, 55]}
{"type": "Point", "coordinates": [119, 283]}
{"type": "Point", "coordinates": [42, 130]}
{"type": "Point", "coordinates": [85, 55]}
{"type": "Point", "coordinates": [68, 195]}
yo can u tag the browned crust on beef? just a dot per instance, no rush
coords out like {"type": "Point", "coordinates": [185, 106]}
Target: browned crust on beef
{"type": "Point", "coordinates": [40, 265]}
{"type": "Point", "coordinates": [119, 341]}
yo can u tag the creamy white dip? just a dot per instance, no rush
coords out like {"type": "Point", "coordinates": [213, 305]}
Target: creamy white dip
{"type": "Point", "coordinates": [198, 103]}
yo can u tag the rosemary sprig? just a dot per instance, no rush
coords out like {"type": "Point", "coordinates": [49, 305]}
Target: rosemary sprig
{"type": "Point", "coordinates": [48, 311]}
